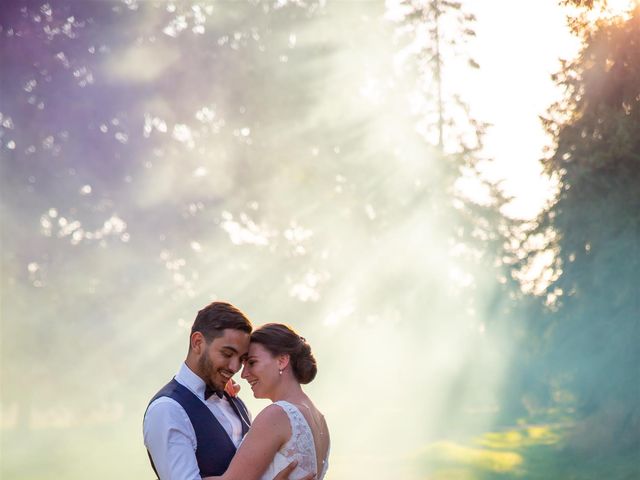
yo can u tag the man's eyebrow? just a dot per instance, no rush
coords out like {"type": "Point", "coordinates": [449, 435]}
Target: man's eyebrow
{"type": "Point", "coordinates": [229, 347]}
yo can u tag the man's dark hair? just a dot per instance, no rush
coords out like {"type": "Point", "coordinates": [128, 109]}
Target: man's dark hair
{"type": "Point", "coordinates": [218, 316]}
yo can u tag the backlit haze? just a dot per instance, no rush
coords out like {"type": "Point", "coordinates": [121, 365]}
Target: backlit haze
{"type": "Point", "coordinates": [157, 156]}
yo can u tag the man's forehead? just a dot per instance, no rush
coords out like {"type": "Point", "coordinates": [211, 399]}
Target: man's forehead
{"type": "Point", "coordinates": [232, 333]}
{"type": "Point", "coordinates": [236, 340]}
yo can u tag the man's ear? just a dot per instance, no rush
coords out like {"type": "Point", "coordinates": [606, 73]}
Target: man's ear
{"type": "Point", "coordinates": [198, 342]}
{"type": "Point", "coordinates": [283, 361]}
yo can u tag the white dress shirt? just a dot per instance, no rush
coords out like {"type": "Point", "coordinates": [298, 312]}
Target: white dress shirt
{"type": "Point", "coordinates": [170, 437]}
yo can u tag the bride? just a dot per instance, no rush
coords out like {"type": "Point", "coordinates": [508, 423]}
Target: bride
{"type": "Point", "coordinates": [291, 428]}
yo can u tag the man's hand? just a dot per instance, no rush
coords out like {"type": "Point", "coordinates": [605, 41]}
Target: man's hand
{"type": "Point", "coordinates": [284, 473]}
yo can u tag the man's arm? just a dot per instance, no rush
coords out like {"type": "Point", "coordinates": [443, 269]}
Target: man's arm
{"type": "Point", "coordinates": [170, 439]}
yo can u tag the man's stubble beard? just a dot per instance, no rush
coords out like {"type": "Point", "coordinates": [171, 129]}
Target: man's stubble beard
{"type": "Point", "coordinates": [208, 369]}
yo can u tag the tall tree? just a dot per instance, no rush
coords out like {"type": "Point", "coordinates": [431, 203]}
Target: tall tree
{"type": "Point", "coordinates": [434, 37]}
{"type": "Point", "coordinates": [593, 227]}
{"type": "Point", "coordinates": [436, 33]}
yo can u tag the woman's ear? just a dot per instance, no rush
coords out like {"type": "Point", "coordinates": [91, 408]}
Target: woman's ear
{"type": "Point", "coordinates": [283, 361]}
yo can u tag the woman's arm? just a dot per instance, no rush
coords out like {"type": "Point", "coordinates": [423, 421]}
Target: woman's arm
{"type": "Point", "coordinates": [268, 432]}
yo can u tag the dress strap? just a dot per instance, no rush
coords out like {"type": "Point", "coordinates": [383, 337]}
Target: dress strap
{"type": "Point", "coordinates": [291, 410]}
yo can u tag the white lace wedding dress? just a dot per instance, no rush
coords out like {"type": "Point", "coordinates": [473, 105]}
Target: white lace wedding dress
{"type": "Point", "coordinates": [300, 447]}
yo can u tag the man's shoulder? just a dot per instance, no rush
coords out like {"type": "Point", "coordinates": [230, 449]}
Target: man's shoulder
{"type": "Point", "coordinates": [164, 406]}
{"type": "Point", "coordinates": [165, 416]}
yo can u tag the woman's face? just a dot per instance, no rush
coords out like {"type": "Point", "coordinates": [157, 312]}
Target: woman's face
{"type": "Point", "coordinates": [261, 370]}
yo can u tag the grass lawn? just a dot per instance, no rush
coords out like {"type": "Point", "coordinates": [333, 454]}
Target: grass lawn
{"type": "Point", "coordinates": [537, 452]}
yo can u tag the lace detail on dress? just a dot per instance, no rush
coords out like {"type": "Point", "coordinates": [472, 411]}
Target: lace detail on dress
{"type": "Point", "coordinates": [301, 445]}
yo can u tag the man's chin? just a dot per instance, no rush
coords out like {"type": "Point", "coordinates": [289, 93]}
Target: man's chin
{"type": "Point", "coordinates": [222, 387]}
{"type": "Point", "coordinates": [219, 385]}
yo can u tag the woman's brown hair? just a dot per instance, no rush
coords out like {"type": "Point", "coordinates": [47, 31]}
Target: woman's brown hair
{"type": "Point", "coordinates": [279, 339]}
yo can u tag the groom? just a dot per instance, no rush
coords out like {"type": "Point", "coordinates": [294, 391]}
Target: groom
{"type": "Point", "coordinates": [192, 426]}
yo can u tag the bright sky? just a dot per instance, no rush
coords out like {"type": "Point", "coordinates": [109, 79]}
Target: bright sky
{"type": "Point", "coordinates": [518, 48]}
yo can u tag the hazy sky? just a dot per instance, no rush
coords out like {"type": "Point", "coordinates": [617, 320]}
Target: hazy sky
{"type": "Point", "coordinates": [518, 48]}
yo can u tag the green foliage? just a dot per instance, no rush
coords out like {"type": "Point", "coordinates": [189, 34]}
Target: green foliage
{"type": "Point", "coordinates": [580, 3]}
{"type": "Point", "coordinates": [591, 330]}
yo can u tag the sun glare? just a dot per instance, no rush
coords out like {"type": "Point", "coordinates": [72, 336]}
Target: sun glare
{"type": "Point", "coordinates": [610, 9]}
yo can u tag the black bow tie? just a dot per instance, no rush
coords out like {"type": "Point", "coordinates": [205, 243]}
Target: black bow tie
{"type": "Point", "coordinates": [208, 391]}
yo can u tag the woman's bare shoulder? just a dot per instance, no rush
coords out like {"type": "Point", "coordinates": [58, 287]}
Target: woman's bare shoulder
{"type": "Point", "coordinates": [270, 416]}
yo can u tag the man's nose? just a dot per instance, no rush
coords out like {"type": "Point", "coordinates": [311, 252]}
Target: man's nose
{"type": "Point", "coordinates": [235, 364]}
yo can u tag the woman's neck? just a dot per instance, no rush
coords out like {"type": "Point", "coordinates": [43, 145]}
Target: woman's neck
{"type": "Point", "coordinates": [289, 391]}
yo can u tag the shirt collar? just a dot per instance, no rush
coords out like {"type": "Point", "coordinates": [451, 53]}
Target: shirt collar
{"type": "Point", "coordinates": [189, 379]}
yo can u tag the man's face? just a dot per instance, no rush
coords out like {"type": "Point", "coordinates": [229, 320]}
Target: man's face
{"type": "Point", "coordinates": [223, 357]}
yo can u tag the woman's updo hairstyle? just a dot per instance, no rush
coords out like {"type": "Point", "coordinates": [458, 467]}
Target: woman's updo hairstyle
{"type": "Point", "coordinates": [279, 339]}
